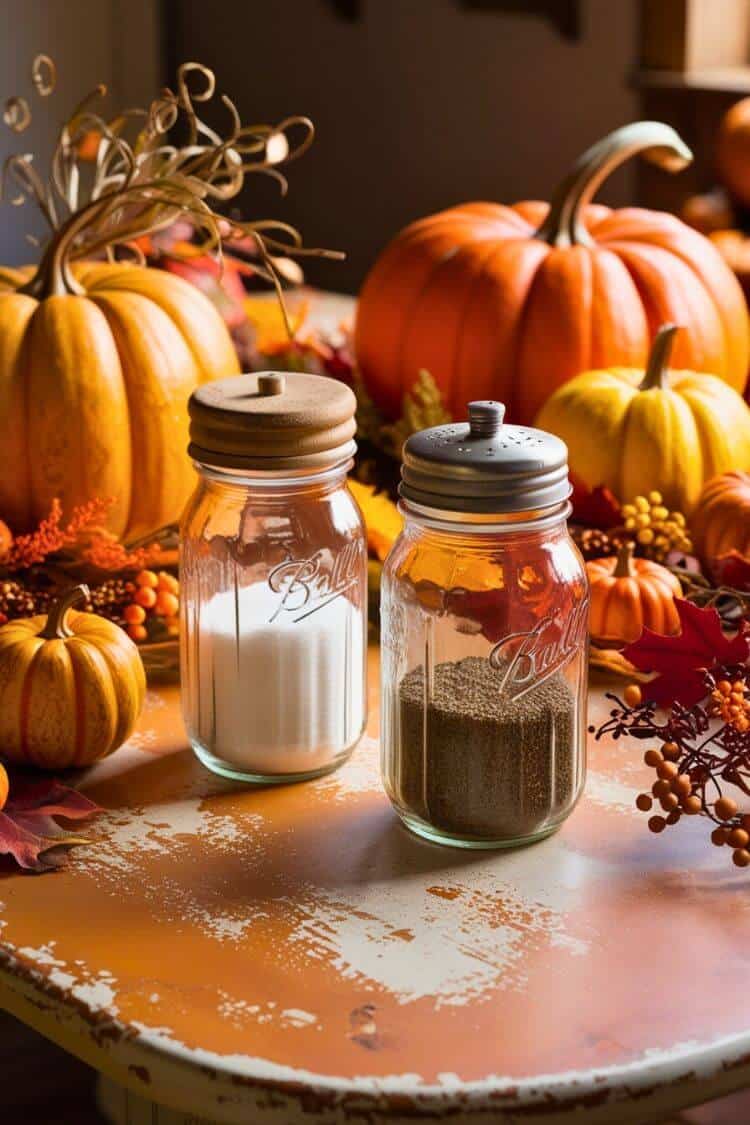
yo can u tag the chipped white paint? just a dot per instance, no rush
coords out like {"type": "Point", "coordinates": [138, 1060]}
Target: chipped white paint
{"type": "Point", "coordinates": [96, 991]}
{"type": "Point", "coordinates": [98, 994]}
{"type": "Point", "coordinates": [399, 934]}
{"type": "Point", "coordinates": [299, 1018]}
{"type": "Point", "coordinates": [653, 1064]}
{"type": "Point", "coordinates": [240, 1012]}
{"type": "Point", "coordinates": [611, 793]}
{"type": "Point", "coordinates": [128, 834]}
{"type": "Point", "coordinates": [404, 936]}
{"type": "Point", "coordinates": [42, 956]}
{"type": "Point", "coordinates": [361, 774]}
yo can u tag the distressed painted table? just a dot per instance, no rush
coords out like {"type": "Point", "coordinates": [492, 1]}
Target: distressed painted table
{"type": "Point", "coordinates": [293, 954]}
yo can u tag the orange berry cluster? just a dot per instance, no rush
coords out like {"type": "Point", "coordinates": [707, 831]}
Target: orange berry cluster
{"type": "Point", "coordinates": [735, 832]}
{"type": "Point", "coordinates": [681, 794]}
{"type": "Point", "coordinates": [674, 791]}
{"type": "Point", "coordinates": [154, 600]}
{"type": "Point", "coordinates": [700, 750]}
{"type": "Point", "coordinates": [729, 702]}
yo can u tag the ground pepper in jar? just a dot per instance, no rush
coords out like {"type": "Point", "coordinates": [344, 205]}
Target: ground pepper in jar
{"type": "Point", "coordinates": [476, 763]}
{"type": "Point", "coordinates": [484, 607]}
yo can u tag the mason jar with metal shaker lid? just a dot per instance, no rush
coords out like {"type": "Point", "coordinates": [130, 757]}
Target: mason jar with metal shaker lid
{"type": "Point", "coordinates": [484, 637]}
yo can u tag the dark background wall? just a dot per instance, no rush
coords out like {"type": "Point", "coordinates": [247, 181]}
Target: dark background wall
{"type": "Point", "coordinates": [117, 42]}
{"type": "Point", "coordinates": [418, 104]}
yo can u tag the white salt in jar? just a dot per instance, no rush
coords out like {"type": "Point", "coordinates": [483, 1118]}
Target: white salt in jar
{"type": "Point", "coordinates": [273, 573]}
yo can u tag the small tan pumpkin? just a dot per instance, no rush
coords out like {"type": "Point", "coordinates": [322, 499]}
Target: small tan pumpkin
{"type": "Point", "coordinates": [721, 520]}
{"type": "Point", "coordinates": [71, 687]}
{"type": "Point", "coordinates": [628, 594]}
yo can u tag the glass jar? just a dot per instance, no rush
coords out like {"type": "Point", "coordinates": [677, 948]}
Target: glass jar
{"type": "Point", "coordinates": [273, 573]}
{"type": "Point", "coordinates": [484, 638]}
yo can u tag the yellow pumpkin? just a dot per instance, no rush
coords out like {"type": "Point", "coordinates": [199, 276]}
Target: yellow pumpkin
{"type": "Point", "coordinates": [721, 520]}
{"type": "Point", "coordinates": [71, 687]}
{"type": "Point", "coordinates": [628, 594]}
{"type": "Point", "coordinates": [665, 430]}
{"type": "Point", "coordinates": [97, 363]}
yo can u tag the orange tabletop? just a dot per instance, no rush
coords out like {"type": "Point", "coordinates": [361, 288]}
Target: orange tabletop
{"type": "Point", "coordinates": [293, 953]}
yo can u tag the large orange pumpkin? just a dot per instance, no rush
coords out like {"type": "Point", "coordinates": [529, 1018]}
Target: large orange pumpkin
{"type": "Point", "coordinates": [511, 302]}
{"type": "Point", "coordinates": [733, 150]}
{"type": "Point", "coordinates": [97, 363]}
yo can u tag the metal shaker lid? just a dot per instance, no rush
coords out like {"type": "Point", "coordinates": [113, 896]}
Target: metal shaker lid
{"type": "Point", "coordinates": [272, 420]}
{"type": "Point", "coordinates": [485, 465]}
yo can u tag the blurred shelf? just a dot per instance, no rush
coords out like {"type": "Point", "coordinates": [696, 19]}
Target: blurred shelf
{"type": "Point", "coordinates": [730, 79]}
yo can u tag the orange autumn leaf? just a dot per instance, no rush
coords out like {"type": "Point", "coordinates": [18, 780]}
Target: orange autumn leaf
{"type": "Point", "coordinates": [382, 518]}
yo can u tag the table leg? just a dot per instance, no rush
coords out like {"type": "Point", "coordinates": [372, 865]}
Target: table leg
{"type": "Point", "coordinates": [122, 1107]}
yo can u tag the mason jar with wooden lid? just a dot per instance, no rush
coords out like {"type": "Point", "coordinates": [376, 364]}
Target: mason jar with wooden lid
{"type": "Point", "coordinates": [273, 579]}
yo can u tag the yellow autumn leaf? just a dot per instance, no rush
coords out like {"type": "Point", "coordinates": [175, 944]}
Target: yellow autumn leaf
{"type": "Point", "coordinates": [267, 319]}
{"type": "Point", "coordinates": [610, 661]}
{"type": "Point", "coordinates": [382, 518]}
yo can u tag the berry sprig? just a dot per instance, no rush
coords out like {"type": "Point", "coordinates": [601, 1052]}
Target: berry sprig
{"type": "Point", "coordinates": [152, 607]}
{"type": "Point", "coordinates": [655, 529]}
{"type": "Point", "coordinates": [593, 543]}
{"type": "Point", "coordinates": [700, 751]}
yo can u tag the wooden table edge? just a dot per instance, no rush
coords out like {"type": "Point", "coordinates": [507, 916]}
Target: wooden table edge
{"type": "Point", "coordinates": [181, 1079]}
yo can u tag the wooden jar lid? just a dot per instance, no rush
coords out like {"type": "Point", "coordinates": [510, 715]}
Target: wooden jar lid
{"type": "Point", "coordinates": [272, 420]}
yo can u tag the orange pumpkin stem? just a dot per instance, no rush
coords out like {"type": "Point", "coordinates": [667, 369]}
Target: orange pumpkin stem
{"type": "Point", "coordinates": [563, 225]}
{"type": "Point", "coordinates": [56, 627]}
{"type": "Point", "coordinates": [659, 356]}
{"type": "Point", "coordinates": [624, 565]}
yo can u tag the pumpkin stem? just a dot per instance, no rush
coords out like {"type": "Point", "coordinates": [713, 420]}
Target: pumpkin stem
{"type": "Point", "coordinates": [658, 359]}
{"type": "Point", "coordinates": [624, 565]}
{"type": "Point", "coordinates": [53, 277]}
{"type": "Point", "coordinates": [55, 627]}
{"type": "Point", "coordinates": [563, 225]}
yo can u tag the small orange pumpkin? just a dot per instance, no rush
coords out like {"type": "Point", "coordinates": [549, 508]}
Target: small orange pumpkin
{"type": "Point", "coordinates": [721, 520]}
{"type": "Point", "coordinates": [629, 594]}
{"type": "Point", "coordinates": [71, 687]}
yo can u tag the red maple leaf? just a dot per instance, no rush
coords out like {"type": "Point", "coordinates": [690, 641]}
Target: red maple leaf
{"type": "Point", "coordinates": [28, 829]}
{"type": "Point", "coordinates": [681, 660]}
{"type": "Point", "coordinates": [732, 569]}
{"type": "Point", "coordinates": [595, 507]}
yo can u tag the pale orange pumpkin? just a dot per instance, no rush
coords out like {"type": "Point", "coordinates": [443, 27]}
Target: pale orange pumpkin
{"type": "Point", "coordinates": [509, 303]}
{"type": "Point", "coordinates": [628, 594]}
{"type": "Point", "coordinates": [720, 522]}
{"type": "Point", "coordinates": [71, 687]}
{"type": "Point", "coordinates": [733, 150]}
{"type": "Point", "coordinates": [97, 363]}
